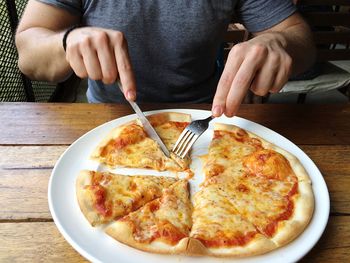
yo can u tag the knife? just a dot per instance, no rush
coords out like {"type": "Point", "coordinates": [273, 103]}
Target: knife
{"type": "Point", "coordinates": [151, 132]}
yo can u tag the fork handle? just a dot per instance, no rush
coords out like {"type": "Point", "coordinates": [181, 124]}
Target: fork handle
{"type": "Point", "coordinates": [209, 118]}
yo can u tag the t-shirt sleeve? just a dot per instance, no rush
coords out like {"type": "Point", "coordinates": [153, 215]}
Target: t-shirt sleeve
{"type": "Point", "coordinates": [261, 15]}
{"type": "Point", "coordinates": [72, 6]}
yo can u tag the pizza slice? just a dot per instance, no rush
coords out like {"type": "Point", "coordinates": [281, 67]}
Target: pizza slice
{"type": "Point", "coordinates": [104, 196]}
{"type": "Point", "coordinates": [220, 230]}
{"type": "Point", "coordinates": [267, 185]}
{"type": "Point", "coordinates": [160, 226]}
{"type": "Point", "coordinates": [269, 194]}
{"type": "Point", "coordinates": [128, 145]}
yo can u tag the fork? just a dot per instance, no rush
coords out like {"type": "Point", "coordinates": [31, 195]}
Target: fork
{"type": "Point", "coordinates": [189, 135]}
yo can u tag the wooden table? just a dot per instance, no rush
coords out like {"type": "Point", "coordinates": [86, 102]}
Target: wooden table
{"type": "Point", "coordinates": [32, 137]}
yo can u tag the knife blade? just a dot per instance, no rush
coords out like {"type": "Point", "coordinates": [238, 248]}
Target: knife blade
{"type": "Point", "coordinates": [151, 132]}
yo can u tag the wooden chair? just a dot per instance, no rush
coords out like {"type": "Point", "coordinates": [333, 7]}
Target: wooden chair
{"type": "Point", "coordinates": [330, 23]}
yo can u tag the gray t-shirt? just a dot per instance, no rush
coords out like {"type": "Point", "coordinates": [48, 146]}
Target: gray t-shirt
{"type": "Point", "coordinates": [173, 45]}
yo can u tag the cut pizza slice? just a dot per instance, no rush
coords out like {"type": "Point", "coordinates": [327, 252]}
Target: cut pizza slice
{"type": "Point", "coordinates": [267, 185]}
{"type": "Point", "coordinates": [219, 230]}
{"type": "Point", "coordinates": [104, 196]}
{"type": "Point", "coordinates": [279, 217]}
{"type": "Point", "coordinates": [160, 226]}
{"type": "Point", "coordinates": [128, 145]}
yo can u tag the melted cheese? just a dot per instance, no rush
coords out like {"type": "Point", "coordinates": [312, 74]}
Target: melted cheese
{"type": "Point", "coordinates": [132, 148]}
{"type": "Point", "coordinates": [167, 218]}
{"type": "Point", "coordinates": [215, 217]}
{"type": "Point", "coordinates": [245, 180]}
{"type": "Point", "coordinates": [127, 193]}
{"type": "Point", "coordinates": [267, 163]}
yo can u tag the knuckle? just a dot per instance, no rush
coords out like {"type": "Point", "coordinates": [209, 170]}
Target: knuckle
{"type": "Point", "coordinates": [85, 42]}
{"type": "Point", "coordinates": [125, 67]}
{"type": "Point", "coordinates": [101, 37]}
{"type": "Point", "coordinates": [81, 73]}
{"type": "Point", "coordinates": [288, 63]}
{"type": "Point", "coordinates": [289, 60]}
{"type": "Point", "coordinates": [237, 49]}
{"type": "Point", "coordinates": [274, 90]}
{"type": "Point", "coordinates": [95, 76]}
{"type": "Point", "coordinates": [118, 37]}
{"type": "Point", "coordinates": [110, 76]}
{"type": "Point", "coordinates": [259, 92]}
{"type": "Point", "coordinates": [259, 49]}
{"type": "Point", "coordinates": [274, 57]}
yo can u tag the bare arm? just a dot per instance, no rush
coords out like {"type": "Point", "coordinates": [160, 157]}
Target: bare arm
{"type": "Point", "coordinates": [264, 63]}
{"type": "Point", "coordinates": [97, 53]}
{"type": "Point", "coordinates": [39, 42]}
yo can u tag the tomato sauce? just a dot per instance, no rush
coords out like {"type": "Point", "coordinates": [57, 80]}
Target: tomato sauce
{"type": "Point", "coordinates": [222, 241]}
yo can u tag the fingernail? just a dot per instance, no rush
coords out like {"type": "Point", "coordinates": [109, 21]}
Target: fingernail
{"type": "Point", "coordinates": [217, 111]}
{"type": "Point", "coordinates": [130, 95]}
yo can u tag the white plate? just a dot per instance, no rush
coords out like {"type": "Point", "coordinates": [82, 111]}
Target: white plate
{"type": "Point", "coordinates": [96, 246]}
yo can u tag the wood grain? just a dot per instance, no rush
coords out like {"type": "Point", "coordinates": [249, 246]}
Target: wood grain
{"type": "Point", "coordinates": [24, 177]}
{"type": "Point", "coordinates": [29, 157]}
{"type": "Point", "coordinates": [334, 245]}
{"type": "Point", "coordinates": [24, 194]}
{"type": "Point", "coordinates": [42, 242]}
{"type": "Point", "coordinates": [35, 242]}
{"type": "Point", "coordinates": [334, 164]}
{"type": "Point", "coordinates": [28, 123]}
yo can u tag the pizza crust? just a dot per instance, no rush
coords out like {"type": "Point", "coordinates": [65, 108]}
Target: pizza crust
{"type": "Point", "coordinates": [258, 245]}
{"type": "Point", "coordinates": [85, 200]}
{"type": "Point", "coordinates": [122, 231]}
{"type": "Point", "coordinates": [160, 118]}
{"type": "Point", "coordinates": [303, 211]}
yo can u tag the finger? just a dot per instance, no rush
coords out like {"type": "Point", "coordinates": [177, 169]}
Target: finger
{"type": "Point", "coordinates": [283, 75]}
{"type": "Point", "coordinates": [90, 59]}
{"type": "Point", "coordinates": [242, 82]}
{"type": "Point", "coordinates": [265, 78]}
{"type": "Point", "coordinates": [105, 54]}
{"type": "Point", "coordinates": [76, 62]}
{"type": "Point", "coordinates": [233, 63]}
{"type": "Point", "coordinates": [125, 71]}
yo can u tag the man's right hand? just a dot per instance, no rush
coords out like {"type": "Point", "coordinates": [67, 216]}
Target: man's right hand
{"type": "Point", "coordinates": [101, 54]}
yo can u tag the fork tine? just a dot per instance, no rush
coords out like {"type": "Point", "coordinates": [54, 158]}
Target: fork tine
{"type": "Point", "coordinates": [184, 143]}
{"type": "Point", "coordinates": [181, 139]}
{"type": "Point", "coordinates": [189, 136]}
{"type": "Point", "coordinates": [189, 145]}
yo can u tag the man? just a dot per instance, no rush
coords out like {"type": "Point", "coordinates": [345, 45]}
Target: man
{"type": "Point", "coordinates": [164, 50]}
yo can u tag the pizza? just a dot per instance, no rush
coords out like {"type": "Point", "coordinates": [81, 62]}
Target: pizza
{"type": "Point", "coordinates": [128, 145]}
{"type": "Point", "coordinates": [255, 196]}
{"type": "Point", "coordinates": [104, 196]}
{"type": "Point", "coordinates": [161, 226]}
